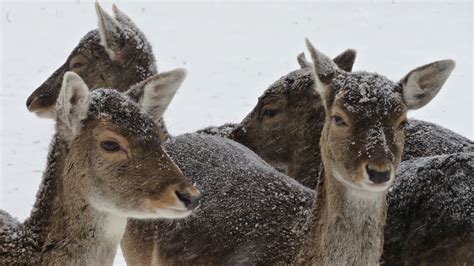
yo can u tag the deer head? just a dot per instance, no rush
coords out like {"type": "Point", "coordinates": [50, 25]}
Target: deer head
{"type": "Point", "coordinates": [115, 148]}
{"type": "Point", "coordinates": [363, 135]}
{"type": "Point", "coordinates": [273, 129]}
{"type": "Point", "coordinates": [117, 55]}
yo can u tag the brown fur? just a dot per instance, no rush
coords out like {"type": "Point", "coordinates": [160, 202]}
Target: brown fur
{"type": "Point", "coordinates": [91, 62]}
{"type": "Point", "coordinates": [95, 186]}
{"type": "Point", "coordinates": [364, 127]}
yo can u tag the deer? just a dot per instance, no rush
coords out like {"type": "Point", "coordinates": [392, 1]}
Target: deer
{"type": "Point", "coordinates": [240, 214]}
{"type": "Point", "coordinates": [106, 164]}
{"type": "Point", "coordinates": [116, 55]}
{"type": "Point", "coordinates": [290, 114]}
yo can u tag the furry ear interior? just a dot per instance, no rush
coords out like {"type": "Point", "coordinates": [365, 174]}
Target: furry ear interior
{"type": "Point", "coordinates": [73, 103]}
{"type": "Point", "coordinates": [112, 34]}
{"type": "Point", "coordinates": [345, 60]}
{"type": "Point", "coordinates": [422, 84]}
{"type": "Point", "coordinates": [155, 93]}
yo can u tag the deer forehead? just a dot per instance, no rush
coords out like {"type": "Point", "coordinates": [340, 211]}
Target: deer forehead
{"type": "Point", "coordinates": [125, 115]}
{"type": "Point", "coordinates": [368, 96]}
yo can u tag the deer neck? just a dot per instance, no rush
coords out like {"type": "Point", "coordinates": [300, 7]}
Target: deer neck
{"type": "Point", "coordinates": [305, 163]}
{"type": "Point", "coordinates": [80, 234]}
{"type": "Point", "coordinates": [39, 222]}
{"type": "Point", "coordinates": [345, 227]}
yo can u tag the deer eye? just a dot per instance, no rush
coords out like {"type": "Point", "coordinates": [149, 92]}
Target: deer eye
{"type": "Point", "coordinates": [338, 121]}
{"type": "Point", "coordinates": [110, 146]}
{"type": "Point", "coordinates": [77, 62]}
{"type": "Point", "coordinates": [402, 124]}
{"type": "Point", "coordinates": [270, 112]}
{"type": "Point", "coordinates": [77, 65]}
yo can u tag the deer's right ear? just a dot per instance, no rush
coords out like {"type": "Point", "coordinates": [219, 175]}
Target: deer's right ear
{"type": "Point", "coordinates": [73, 103]}
{"type": "Point", "coordinates": [111, 33]}
{"type": "Point", "coordinates": [423, 83]}
{"type": "Point", "coordinates": [323, 66]}
{"type": "Point", "coordinates": [345, 60]}
{"type": "Point", "coordinates": [155, 93]}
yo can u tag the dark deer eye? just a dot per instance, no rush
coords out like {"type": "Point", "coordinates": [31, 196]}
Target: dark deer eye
{"type": "Point", "coordinates": [77, 65]}
{"type": "Point", "coordinates": [338, 121]}
{"type": "Point", "coordinates": [402, 124]}
{"type": "Point", "coordinates": [110, 146]}
{"type": "Point", "coordinates": [270, 112]}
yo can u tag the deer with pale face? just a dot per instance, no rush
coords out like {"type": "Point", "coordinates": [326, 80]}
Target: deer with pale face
{"type": "Point", "coordinates": [114, 168]}
{"type": "Point", "coordinates": [361, 147]}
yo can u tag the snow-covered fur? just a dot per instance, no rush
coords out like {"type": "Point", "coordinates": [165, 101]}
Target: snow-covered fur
{"type": "Point", "coordinates": [287, 138]}
{"type": "Point", "coordinates": [80, 212]}
{"type": "Point", "coordinates": [116, 55]}
{"type": "Point", "coordinates": [22, 243]}
{"type": "Point", "coordinates": [252, 214]}
{"type": "Point", "coordinates": [430, 215]}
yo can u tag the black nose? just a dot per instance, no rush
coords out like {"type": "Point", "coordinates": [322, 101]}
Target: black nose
{"type": "Point", "coordinates": [190, 201]}
{"type": "Point", "coordinates": [29, 101]}
{"type": "Point", "coordinates": [376, 176]}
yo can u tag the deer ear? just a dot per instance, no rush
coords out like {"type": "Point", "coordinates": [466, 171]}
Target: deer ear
{"type": "Point", "coordinates": [345, 60]}
{"type": "Point", "coordinates": [123, 19]}
{"type": "Point", "coordinates": [423, 83]}
{"type": "Point", "coordinates": [157, 91]}
{"type": "Point", "coordinates": [73, 103]}
{"type": "Point", "coordinates": [112, 34]}
{"type": "Point", "coordinates": [323, 66]}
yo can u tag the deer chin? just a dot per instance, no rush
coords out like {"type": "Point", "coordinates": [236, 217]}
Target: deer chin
{"type": "Point", "coordinates": [171, 213]}
{"type": "Point", "coordinates": [362, 187]}
{"type": "Point", "coordinates": [47, 112]}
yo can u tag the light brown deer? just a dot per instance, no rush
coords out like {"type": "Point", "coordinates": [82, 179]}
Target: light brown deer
{"type": "Point", "coordinates": [116, 55]}
{"type": "Point", "coordinates": [251, 214]}
{"type": "Point", "coordinates": [111, 166]}
{"type": "Point", "coordinates": [361, 147]}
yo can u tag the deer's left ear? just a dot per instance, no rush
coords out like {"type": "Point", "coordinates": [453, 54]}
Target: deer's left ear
{"type": "Point", "coordinates": [155, 93]}
{"type": "Point", "coordinates": [423, 83]}
{"type": "Point", "coordinates": [72, 105]}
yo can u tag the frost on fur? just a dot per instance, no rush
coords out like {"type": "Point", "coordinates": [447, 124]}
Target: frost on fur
{"type": "Point", "coordinates": [72, 104]}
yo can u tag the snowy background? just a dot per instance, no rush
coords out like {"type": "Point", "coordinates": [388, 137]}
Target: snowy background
{"type": "Point", "coordinates": [233, 52]}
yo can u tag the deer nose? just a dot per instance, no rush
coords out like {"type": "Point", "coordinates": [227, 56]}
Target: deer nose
{"type": "Point", "coordinates": [377, 176]}
{"type": "Point", "coordinates": [190, 201]}
{"type": "Point", "coordinates": [29, 101]}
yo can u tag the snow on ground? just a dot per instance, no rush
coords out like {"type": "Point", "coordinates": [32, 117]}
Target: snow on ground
{"type": "Point", "coordinates": [232, 51]}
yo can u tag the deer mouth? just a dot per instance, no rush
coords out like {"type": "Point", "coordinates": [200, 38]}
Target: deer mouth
{"type": "Point", "coordinates": [45, 112]}
{"type": "Point", "coordinates": [37, 108]}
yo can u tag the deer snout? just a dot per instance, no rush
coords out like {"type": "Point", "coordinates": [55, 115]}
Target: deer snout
{"type": "Point", "coordinates": [190, 199]}
{"type": "Point", "coordinates": [378, 174]}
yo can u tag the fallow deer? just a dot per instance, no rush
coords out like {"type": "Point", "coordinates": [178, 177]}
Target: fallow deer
{"type": "Point", "coordinates": [106, 164]}
{"type": "Point", "coordinates": [252, 214]}
{"type": "Point", "coordinates": [290, 114]}
{"type": "Point", "coordinates": [361, 146]}
{"type": "Point", "coordinates": [116, 55]}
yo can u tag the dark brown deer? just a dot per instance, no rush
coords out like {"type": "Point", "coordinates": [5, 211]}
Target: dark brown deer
{"type": "Point", "coordinates": [116, 55]}
{"type": "Point", "coordinates": [246, 202]}
{"type": "Point", "coordinates": [107, 163]}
